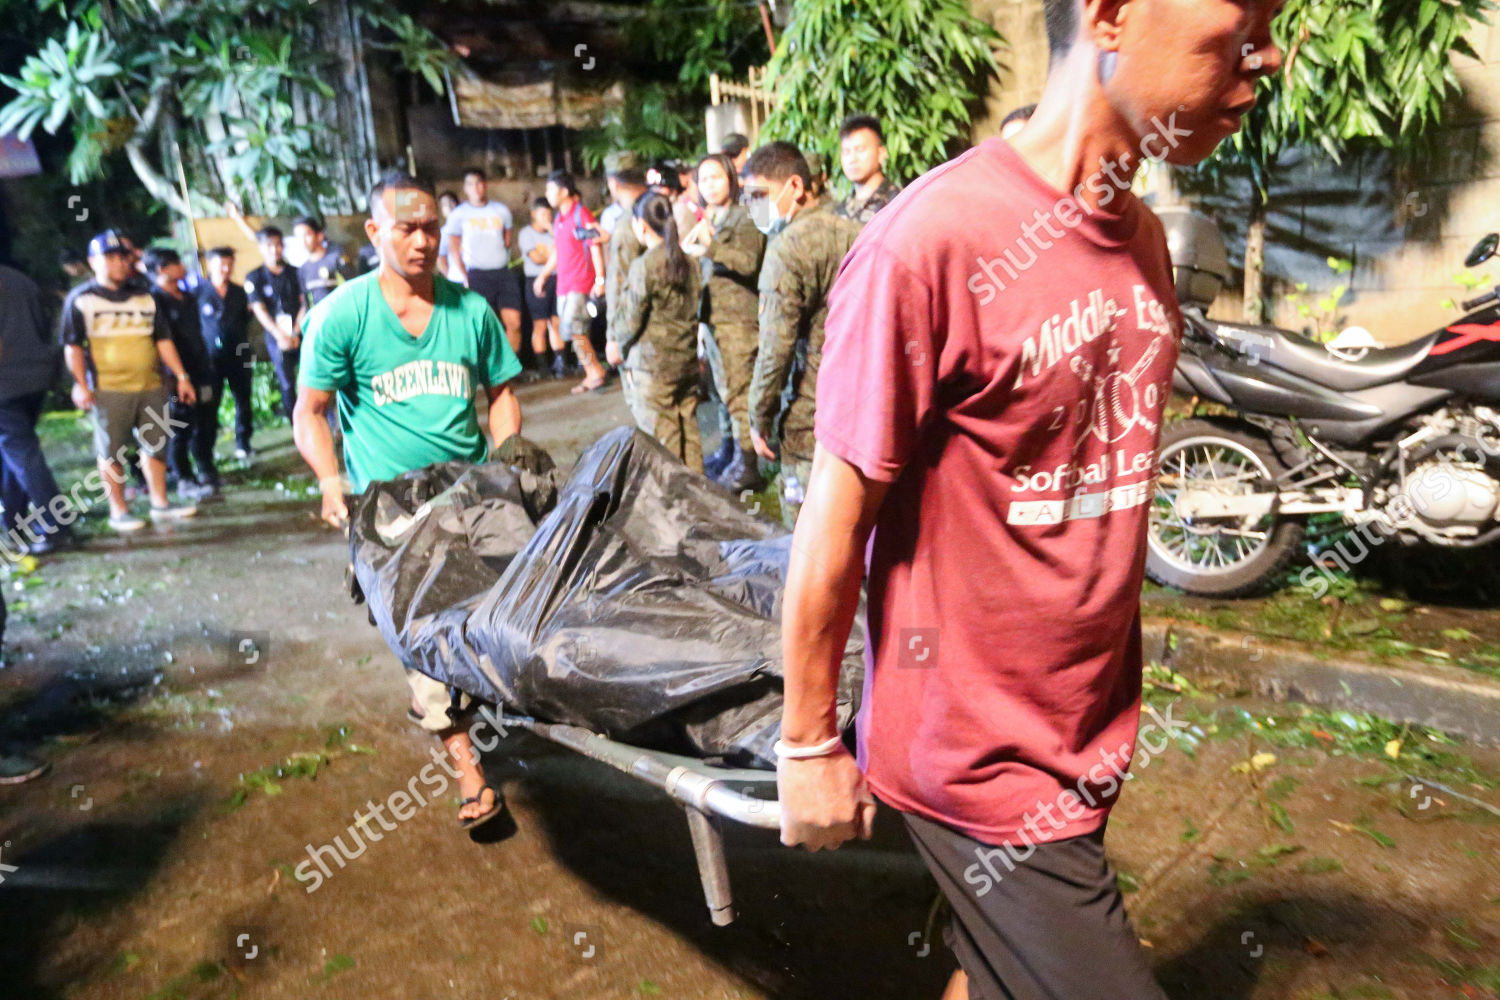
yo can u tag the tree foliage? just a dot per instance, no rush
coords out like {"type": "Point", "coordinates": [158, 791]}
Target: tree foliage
{"type": "Point", "coordinates": [663, 117]}
{"type": "Point", "coordinates": [918, 65]}
{"type": "Point", "coordinates": [224, 78]}
{"type": "Point", "coordinates": [1358, 73]}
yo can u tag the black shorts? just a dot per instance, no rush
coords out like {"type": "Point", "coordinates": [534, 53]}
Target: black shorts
{"type": "Point", "coordinates": [1045, 925]}
{"type": "Point", "coordinates": [501, 287]}
{"type": "Point", "coordinates": [542, 306]}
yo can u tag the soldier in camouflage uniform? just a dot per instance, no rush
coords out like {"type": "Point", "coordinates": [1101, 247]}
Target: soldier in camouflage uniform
{"type": "Point", "coordinates": [801, 263]}
{"type": "Point", "coordinates": [627, 183]}
{"type": "Point", "coordinates": [734, 247]}
{"type": "Point", "coordinates": [658, 330]}
{"type": "Point", "coordinates": [862, 152]}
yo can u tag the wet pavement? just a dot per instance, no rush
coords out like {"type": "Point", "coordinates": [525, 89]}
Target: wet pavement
{"type": "Point", "coordinates": [215, 708]}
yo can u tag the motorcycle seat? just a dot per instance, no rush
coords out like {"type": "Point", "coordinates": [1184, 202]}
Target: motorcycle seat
{"type": "Point", "coordinates": [1296, 354]}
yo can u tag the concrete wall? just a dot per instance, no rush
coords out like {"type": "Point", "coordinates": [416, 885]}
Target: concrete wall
{"type": "Point", "coordinates": [1407, 232]}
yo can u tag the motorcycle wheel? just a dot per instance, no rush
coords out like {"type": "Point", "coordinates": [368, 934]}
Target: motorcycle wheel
{"type": "Point", "coordinates": [1219, 556]}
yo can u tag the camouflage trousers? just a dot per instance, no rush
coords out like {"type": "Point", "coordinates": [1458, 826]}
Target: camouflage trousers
{"type": "Point", "coordinates": [731, 350]}
{"type": "Point", "coordinates": [667, 409]}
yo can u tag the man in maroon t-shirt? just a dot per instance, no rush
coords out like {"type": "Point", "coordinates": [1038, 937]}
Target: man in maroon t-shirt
{"type": "Point", "coordinates": [1000, 344]}
{"type": "Point", "coordinates": [579, 264]}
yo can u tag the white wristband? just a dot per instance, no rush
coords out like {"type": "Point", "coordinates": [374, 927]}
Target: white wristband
{"type": "Point", "coordinates": [825, 749]}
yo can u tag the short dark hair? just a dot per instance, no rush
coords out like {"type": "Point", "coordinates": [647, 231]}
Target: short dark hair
{"type": "Point", "coordinates": [1021, 114]}
{"type": "Point", "coordinates": [564, 180]}
{"type": "Point", "coordinates": [667, 177]}
{"type": "Point", "coordinates": [226, 252]}
{"type": "Point", "coordinates": [1062, 26]}
{"type": "Point", "coordinates": [855, 123]}
{"type": "Point", "coordinates": [541, 203]}
{"type": "Point", "coordinates": [734, 145]}
{"type": "Point", "coordinates": [474, 172]}
{"type": "Point", "coordinates": [778, 161]}
{"type": "Point", "coordinates": [310, 223]}
{"type": "Point", "coordinates": [396, 180]}
{"type": "Point", "coordinates": [631, 177]}
{"type": "Point", "coordinates": [67, 255]}
{"type": "Point", "coordinates": [157, 258]}
{"type": "Point", "coordinates": [269, 233]}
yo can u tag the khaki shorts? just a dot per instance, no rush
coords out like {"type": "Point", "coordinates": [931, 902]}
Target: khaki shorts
{"type": "Point", "coordinates": [573, 315]}
{"type": "Point", "coordinates": [434, 700]}
{"type": "Point", "coordinates": [126, 419]}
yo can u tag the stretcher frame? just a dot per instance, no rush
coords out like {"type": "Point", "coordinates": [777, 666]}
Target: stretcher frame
{"type": "Point", "coordinates": [705, 792]}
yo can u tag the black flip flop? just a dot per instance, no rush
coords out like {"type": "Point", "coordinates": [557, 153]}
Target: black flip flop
{"type": "Point", "coordinates": [495, 810]}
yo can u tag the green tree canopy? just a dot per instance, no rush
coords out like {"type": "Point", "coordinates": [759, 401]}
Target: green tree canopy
{"type": "Point", "coordinates": [224, 78]}
{"type": "Point", "coordinates": [1359, 74]}
{"type": "Point", "coordinates": [918, 65]}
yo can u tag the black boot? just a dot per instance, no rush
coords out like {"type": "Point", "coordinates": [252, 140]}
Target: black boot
{"type": "Point", "coordinates": [742, 473]}
{"type": "Point", "coordinates": [719, 460]}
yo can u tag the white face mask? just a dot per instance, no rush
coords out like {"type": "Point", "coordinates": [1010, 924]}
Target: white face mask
{"type": "Point", "coordinates": [765, 215]}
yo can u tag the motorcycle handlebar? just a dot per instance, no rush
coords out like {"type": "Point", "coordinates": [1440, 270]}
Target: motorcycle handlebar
{"type": "Point", "coordinates": [1475, 303]}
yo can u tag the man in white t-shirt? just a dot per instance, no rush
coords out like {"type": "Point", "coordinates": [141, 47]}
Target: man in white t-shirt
{"type": "Point", "coordinates": [478, 236]}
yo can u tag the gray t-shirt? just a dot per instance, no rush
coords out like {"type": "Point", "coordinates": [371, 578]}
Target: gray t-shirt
{"type": "Point", "coordinates": [481, 231]}
{"type": "Point", "coordinates": [529, 239]}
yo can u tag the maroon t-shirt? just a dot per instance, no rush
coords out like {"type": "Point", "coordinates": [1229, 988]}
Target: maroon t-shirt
{"type": "Point", "coordinates": [1001, 357]}
{"type": "Point", "coordinates": [575, 266]}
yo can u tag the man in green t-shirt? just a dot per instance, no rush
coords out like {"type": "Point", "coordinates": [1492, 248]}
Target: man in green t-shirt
{"type": "Point", "coordinates": [402, 349]}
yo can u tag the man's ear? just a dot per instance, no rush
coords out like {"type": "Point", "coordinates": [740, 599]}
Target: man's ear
{"type": "Point", "coordinates": [372, 232]}
{"type": "Point", "coordinates": [1104, 22]}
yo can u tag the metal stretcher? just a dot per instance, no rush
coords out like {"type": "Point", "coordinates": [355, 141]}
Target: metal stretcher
{"type": "Point", "coordinates": [708, 794]}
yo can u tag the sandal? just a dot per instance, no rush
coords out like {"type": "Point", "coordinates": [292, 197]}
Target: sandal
{"type": "Point", "coordinates": [495, 810]}
{"type": "Point", "coordinates": [586, 386]}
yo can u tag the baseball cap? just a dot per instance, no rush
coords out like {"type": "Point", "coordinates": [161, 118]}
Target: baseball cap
{"type": "Point", "coordinates": [109, 241]}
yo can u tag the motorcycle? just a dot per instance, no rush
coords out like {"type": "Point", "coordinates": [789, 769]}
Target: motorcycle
{"type": "Point", "coordinates": [1399, 443]}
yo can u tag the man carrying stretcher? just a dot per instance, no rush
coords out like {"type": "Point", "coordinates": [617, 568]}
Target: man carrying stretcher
{"type": "Point", "coordinates": [1000, 343]}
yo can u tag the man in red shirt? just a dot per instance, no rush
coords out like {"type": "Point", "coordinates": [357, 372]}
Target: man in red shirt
{"type": "Point", "coordinates": [579, 265]}
{"type": "Point", "coordinates": [1000, 343]}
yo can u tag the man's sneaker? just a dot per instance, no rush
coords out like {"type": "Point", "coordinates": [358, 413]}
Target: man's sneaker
{"type": "Point", "coordinates": [209, 493]}
{"type": "Point", "coordinates": [126, 523]}
{"type": "Point", "coordinates": [246, 455]}
{"type": "Point", "coordinates": [172, 513]}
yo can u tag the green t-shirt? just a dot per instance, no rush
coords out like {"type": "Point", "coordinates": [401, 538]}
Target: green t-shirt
{"type": "Point", "coordinates": [404, 402]}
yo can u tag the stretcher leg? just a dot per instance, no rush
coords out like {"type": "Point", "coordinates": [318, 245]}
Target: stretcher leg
{"type": "Point", "coordinates": [708, 848]}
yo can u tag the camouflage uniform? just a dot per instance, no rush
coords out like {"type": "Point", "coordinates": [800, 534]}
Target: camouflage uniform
{"type": "Point", "coordinates": [798, 273]}
{"type": "Point", "coordinates": [658, 331]}
{"type": "Point", "coordinates": [621, 252]}
{"type": "Point", "coordinates": [863, 211]}
{"type": "Point", "coordinates": [736, 252]}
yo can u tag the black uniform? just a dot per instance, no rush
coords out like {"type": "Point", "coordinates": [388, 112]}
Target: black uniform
{"type": "Point", "coordinates": [194, 424]}
{"type": "Point", "coordinates": [226, 334]}
{"type": "Point", "coordinates": [281, 294]}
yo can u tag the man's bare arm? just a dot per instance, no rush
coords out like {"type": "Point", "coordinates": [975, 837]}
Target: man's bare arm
{"type": "Point", "coordinates": [822, 593]}
{"type": "Point", "coordinates": [456, 259]}
{"type": "Point", "coordinates": [315, 442]}
{"type": "Point", "coordinates": [505, 413]}
{"type": "Point", "coordinates": [824, 799]}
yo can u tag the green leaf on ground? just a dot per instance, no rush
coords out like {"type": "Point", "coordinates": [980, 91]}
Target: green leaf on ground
{"type": "Point", "coordinates": [1320, 866]}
